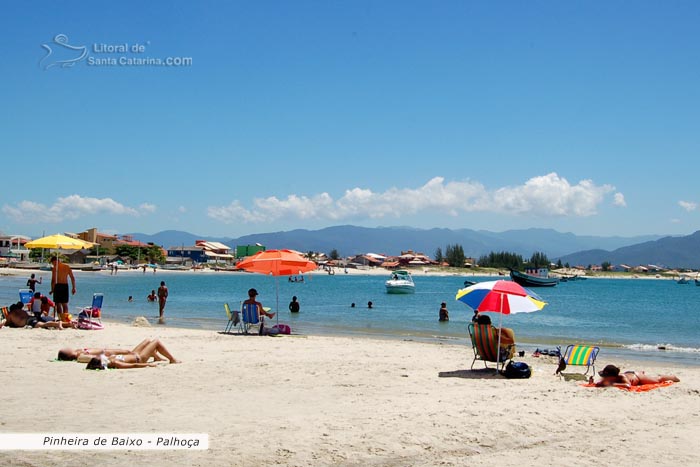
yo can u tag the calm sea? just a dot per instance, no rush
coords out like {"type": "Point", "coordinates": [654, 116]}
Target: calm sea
{"type": "Point", "coordinates": [632, 317]}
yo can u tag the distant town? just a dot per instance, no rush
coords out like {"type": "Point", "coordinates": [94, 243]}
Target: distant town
{"type": "Point", "coordinates": [124, 251]}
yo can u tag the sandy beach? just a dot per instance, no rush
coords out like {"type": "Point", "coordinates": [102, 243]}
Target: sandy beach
{"type": "Point", "coordinates": [309, 400]}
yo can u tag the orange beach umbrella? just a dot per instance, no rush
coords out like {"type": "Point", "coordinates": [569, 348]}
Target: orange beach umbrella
{"type": "Point", "coordinates": [277, 263]}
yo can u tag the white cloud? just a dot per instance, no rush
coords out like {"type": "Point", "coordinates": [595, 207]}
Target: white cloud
{"type": "Point", "coordinates": [147, 208]}
{"type": "Point", "coordinates": [69, 208]}
{"type": "Point", "coordinates": [619, 200]}
{"type": "Point", "coordinates": [548, 195]}
{"type": "Point", "coordinates": [182, 209]}
{"type": "Point", "coordinates": [688, 205]}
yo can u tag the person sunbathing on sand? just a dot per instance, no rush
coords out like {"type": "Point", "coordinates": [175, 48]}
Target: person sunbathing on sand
{"type": "Point", "coordinates": [17, 317]}
{"type": "Point", "coordinates": [142, 353]}
{"type": "Point", "coordinates": [612, 377]}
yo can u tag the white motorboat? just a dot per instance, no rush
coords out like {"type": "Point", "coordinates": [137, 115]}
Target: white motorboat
{"type": "Point", "coordinates": [400, 282]}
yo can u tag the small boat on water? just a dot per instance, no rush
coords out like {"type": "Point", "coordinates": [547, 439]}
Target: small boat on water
{"type": "Point", "coordinates": [534, 278]}
{"type": "Point", "coordinates": [400, 282]}
{"type": "Point", "coordinates": [697, 282]}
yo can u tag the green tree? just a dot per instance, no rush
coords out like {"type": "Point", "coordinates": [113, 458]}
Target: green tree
{"type": "Point", "coordinates": [538, 260]}
{"type": "Point", "coordinates": [606, 265]}
{"type": "Point", "coordinates": [454, 255]}
{"type": "Point", "coordinates": [502, 259]}
{"type": "Point", "coordinates": [438, 255]}
{"type": "Point", "coordinates": [333, 254]}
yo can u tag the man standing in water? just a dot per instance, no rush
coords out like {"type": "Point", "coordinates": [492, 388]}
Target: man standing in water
{"type": "Point", "coordinates": [60, 273]}
{"type": "Point", "coordinates": [162, 298]}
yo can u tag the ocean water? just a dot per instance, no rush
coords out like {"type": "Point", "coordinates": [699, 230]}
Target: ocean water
{"type": "Point", "coordinates": [631, 317]}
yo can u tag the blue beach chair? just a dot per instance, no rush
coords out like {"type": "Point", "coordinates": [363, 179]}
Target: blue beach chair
{"type": "Point", "coordinates": [250, 316]}
{"type": "Point", "coordinates": [25, 296]}
{"type": "Point", "coordinates": [91, 316]}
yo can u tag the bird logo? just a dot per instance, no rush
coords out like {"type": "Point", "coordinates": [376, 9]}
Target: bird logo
{"type": "Point", "coordinates": [58, 48]}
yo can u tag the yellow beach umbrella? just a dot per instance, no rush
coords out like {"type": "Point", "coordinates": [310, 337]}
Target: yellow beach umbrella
{"type": "Point", "coordinates": [59, 242]}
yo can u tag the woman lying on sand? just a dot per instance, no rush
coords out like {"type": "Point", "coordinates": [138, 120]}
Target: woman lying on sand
{"type": "Point", "coordinates": [147, 349]}
{"type": "Point", "coordinates": [612, 377]}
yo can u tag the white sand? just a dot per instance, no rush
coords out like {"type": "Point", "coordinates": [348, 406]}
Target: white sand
{"type": "Point", "coordinates": [334, 401]}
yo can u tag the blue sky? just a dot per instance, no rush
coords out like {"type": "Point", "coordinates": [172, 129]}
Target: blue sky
{"type": "Point", "coordinates": [579, 116]}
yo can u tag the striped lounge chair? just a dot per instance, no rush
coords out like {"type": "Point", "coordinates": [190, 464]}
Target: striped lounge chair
{"type": "Point", "coordinates": [485, 346]}
{"type": "Point", "coordinates": [579, 355]}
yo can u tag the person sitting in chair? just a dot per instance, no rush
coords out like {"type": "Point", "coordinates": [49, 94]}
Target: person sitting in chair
{"type": "Point", "coordinates": [252, 293]}
{"type": "Point", "coordinates": [506, 334]}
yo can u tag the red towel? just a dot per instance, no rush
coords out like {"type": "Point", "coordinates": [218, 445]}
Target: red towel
{"type": "Point", "coordinates": [642, 388]}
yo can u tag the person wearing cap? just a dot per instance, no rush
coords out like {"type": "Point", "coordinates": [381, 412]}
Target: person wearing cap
{"type": "Point", "coordinates": [252, 293]}
{"type": "Point", "coordinates": [611, 377]}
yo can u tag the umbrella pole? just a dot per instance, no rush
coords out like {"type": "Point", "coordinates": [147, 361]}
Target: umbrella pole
{"type": "Point", "coordinates": [500, 324]}
{"type": "Point", "coordinates": [277, 293]}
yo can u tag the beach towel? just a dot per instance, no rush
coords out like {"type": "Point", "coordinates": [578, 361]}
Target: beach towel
{"type": "Point", "coordinates": [641, 388]}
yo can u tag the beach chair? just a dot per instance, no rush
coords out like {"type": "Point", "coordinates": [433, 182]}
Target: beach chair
{"type": "Point", "coordinates": [578, 355]}
{"type": "Point", "coordinates": [25, 296]}
{"type": "Point", "coordinates": [485, 346]}
{"type": "Point", "coordinates": [90, 317]}
{"type": "Point", "coordinates": [250, 316]}
{"type": "Point", "coordinates": [233, 318]}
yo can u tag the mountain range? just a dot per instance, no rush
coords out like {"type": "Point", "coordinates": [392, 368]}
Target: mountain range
{"type": "Point", "coordinates": [673, 252]}
{"type": "Point", "coordinates": [574, 249]}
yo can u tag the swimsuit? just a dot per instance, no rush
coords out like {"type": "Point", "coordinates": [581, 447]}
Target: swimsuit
{"type": "Point", "coordinates": [60, 293]}
{"type": "Point", "coordinates": [632, 377]}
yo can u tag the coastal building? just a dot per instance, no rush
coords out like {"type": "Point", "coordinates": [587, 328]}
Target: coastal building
{"type": "Point", "coordinates": [105, 242]}
{"type": "Point", "coordinates": [216, 251]}
{"type": "Point", "coordinates": [12, 246]}
{"type": "Point", "coordinates": [186, 255]}
{"type": "Point", "coordinates": [248, 250]}
{"type": "Point", "coordinates": [202, 252]}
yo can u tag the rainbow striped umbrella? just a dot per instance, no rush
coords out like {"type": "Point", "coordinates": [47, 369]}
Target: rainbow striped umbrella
{"type": "Point", "coordinates": [505, 297]}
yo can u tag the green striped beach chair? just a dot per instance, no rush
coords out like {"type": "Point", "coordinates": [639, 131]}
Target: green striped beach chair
{"type": "Point", "coordinates": [485, 346]}
{"type": "Point", "coordinates": [579, 355]}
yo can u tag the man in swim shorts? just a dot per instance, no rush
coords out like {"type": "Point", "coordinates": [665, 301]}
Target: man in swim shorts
{"type": "Point", "coordinates": [60, 273]}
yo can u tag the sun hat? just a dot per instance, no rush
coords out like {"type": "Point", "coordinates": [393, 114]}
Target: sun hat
{"type": "Point", "coordinates": [609, 370]}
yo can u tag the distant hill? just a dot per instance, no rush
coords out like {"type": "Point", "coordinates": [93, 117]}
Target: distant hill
{"type": "Point", "coordinates": [671, 252]}
{"type": "Point", "coordinates": [349, 240]}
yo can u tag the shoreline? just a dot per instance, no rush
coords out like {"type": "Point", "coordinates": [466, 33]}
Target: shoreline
{"type": "Point", "coordinates": [318, 400]}
{"type": "Point", "coordinates": [376, 271]}
{"type": "Point", "coordinates": [638, 350]}
{"type": "Point", "coordinates": [632, 352]}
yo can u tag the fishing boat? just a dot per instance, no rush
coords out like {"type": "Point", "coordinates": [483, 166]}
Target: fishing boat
{"type": "Point", "coordinates": [534, 278]}
{"type": "Point", "coordinates": [400, 282]}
